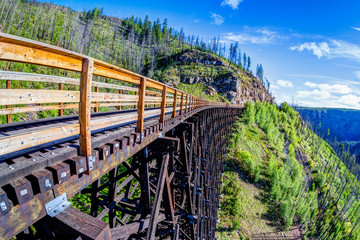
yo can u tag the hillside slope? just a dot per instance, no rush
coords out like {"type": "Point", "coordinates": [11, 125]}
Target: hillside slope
{"type": "Point", "coordinates": [299, 183]}
{"type": "Point", "coordinates": [193, 66]}
{"type": "Point", "coordinates": [151, 48]}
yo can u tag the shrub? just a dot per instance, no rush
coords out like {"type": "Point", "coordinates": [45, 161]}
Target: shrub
{"type": "Point", "coordinates": [319, 180]}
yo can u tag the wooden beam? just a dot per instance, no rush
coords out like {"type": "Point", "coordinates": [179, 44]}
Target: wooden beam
{"type": "Point", "coordinates": [8, 86]}
{"type": "Point", "coordinates": [31, 96]}
{"type": "Point", "coordinates": [61, 111]}
{"type": "Point", "coordinates": [141, 106]}
{"type": "Point", "coordinates": [163, 104]}
{"type": "Point", "coordinates": [186, 103]}
{"type": "Point", "coordinates": [174, 104]}
{"type": "Point", "coordinates": [181, 103]}
{"type": "Point", "coordinates": [85, 110]}
{"type": "Point", "coordinates": [144, 174]}
{"type": "Point", "coordinates": [96, 109]}
{"type": "Point", "coordinates": [119, 107]}
{"type": "Point", "coordinates": [86, 226]}
{"type": "Point", "coordinates": [158, 197]}
{"type": "Point", "coordinates": [134, 227]}
{"type": "Point", "coordinates": [168, 201]}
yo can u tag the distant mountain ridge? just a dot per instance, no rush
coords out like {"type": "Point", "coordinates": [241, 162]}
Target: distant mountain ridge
{"type": "Point", "coordinates": [344, 124]}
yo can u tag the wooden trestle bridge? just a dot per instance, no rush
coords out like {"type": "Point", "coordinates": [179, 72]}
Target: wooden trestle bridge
{"type": "Point", "coordinates": [149, 162]}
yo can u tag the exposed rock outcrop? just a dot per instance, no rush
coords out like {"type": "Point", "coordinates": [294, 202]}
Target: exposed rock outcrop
{"type": "Point", "coordinates": [237, 85]}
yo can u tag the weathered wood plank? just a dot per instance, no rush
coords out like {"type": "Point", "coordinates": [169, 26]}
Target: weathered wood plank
{"type": "Point", "coordinates": [61, 111]}
{"type": "Point", "coordinates": [85, 110]}
{"type": "Point", "coordinates": [157, 199]}
{"type": "Point", "coordinates": [38, 108]}
{"type": "Point", "coordinates": [134, 227]}
{"type": "Point", "coordinates": [8, 86]}
{"type": "Point", "coordinates": [181, 103]}
{"type": "Point", "coordinates": [15, 143]}
{"type": "Point", "coordinates": [163, 104]}
{"type": "Point", "coordinates": [86, 226]}
{"type": "Point", "coordinates": [31, 96]}
{"type": "Point", "coordinates": [141, 106]}
{"type": "Point", "coordinates": [17, 53]}
{"type": "Point", "coordinates": [174, 104]}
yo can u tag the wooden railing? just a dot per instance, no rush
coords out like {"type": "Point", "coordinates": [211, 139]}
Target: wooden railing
{"type": "Point", "coordinates": [83, 94]}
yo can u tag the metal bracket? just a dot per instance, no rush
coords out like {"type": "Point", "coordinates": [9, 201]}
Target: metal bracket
{"type": "Point", "coordinates": [57, 205]}
{"type": "Point", "coordinates": [160, 135]}
{"type": "Point", "coordinates": [91, 161]}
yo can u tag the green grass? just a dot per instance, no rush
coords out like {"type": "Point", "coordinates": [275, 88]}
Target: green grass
{"type": "Point", "coordinates": [288, 172]}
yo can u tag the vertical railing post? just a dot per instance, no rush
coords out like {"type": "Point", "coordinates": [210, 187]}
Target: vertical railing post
{"type": "Point", "coordinates": [186, 103]}
{"type": "Point", "coordinates": [8, 116]}
{"type": "Point", "coordinates": [85, 111]}
{"type": "Point", "coordinates": [119, 107]}
{"type": "Point", "coordinates": [61, 111]}
{"type": "Point", "coordinates": [141, 107]}
{"type": "Point", "coordinates": [174, 105]}
{"type": "Point", "coordinates": [181, 103]}
{"type": "Point", "coordinates": [163, 105]}
{"type": "Point", "coordinates": [96, 109]}
{"type": "Point", "coordinates": [191, 103]}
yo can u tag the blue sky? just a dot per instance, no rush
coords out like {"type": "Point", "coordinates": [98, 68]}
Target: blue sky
{"type": "Point", "coordinates": [310, 50]}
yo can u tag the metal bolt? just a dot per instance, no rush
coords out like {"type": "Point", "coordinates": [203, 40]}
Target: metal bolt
{"type": "Point", "coordinates": [11, 167]}
{"type": "Point", "coordinates": [33, 159]}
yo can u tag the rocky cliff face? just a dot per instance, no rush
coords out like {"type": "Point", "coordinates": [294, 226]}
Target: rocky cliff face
{"type": "Point", "coordinates": [237, 85]}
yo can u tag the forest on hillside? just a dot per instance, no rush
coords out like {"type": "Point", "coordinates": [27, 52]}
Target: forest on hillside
{"type": "Point", "coordinates": [132, 43]}
{"type": "Point", "coordinates": [151, 48]}
{"type": "Point", "coordinates": [303, 181]}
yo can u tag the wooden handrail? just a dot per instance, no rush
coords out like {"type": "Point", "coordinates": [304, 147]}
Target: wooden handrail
{"type": "Point", "coordinates": [148, 91]}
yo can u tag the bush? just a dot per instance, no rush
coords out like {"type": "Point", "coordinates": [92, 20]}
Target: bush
{"type": "Point", "coordinates": [319, 180]}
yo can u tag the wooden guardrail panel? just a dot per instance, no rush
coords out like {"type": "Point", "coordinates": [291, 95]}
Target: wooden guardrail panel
{"type": "Point", "coordinates": [31, 96]}
{"type": "Point", "coordinates": [27, 51]}
{"type": "Point", "coordinates": [17, 53]}
{"type": "Point", "coordinates": [26, 140]}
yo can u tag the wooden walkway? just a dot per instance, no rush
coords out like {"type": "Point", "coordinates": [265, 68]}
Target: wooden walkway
{"type": "Point", "coordinates": [167, 188]}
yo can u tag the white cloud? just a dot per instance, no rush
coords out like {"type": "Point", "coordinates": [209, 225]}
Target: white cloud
{"type": "Point", "coordinates": [326, 95]}
{"type": "Point", "coordinates": [350, 100]}
{"type": "Point", "coordinates": [217, 18]}
{"type": "Point", "coordinates": [232, 3]}
{"type": "Point", "coordinates": [315, 94]}
{"type": "Point", "coordinates": [284, 83]}
{"type": "Point", "coordinates": [255, 36]}
{"type": "Point", "coordinates": [318, 49]}
{"type": "Point", "coordinates": [336, 88]}
{"type": "Point", "coordinates": [357, 29]}
{"type": "Point", "coordinates": [331, 49]}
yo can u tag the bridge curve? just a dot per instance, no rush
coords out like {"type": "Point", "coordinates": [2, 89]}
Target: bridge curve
{"type": "Point", "coordinates": [149, 167]}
